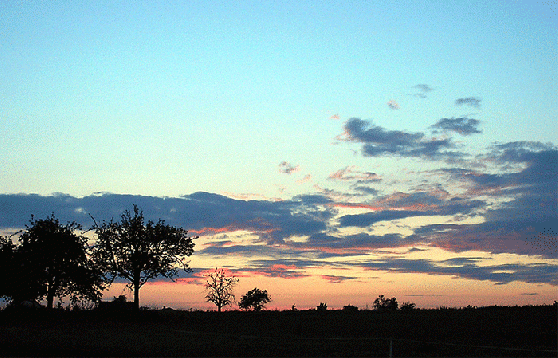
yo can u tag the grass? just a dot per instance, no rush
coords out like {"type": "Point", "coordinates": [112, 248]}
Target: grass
{"type": "Point", "coordinates": [525, 331]}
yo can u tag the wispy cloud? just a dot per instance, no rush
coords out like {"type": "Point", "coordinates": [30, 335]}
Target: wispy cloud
{"type": "Point", "coordinates": [351, 173]}
{"type": "Point", "coordinates": [468, 101]}
{"type": "Point", "coordinates": [423, 87]}
{"type": "Point", "coordinates": [288, 168]}
{"type": "Point", "coordinates": [307, 178]}
{"type": "Point", "coordinates": [423, 90]}
{"type": "Point", "coordinates": [337, 279]}
{"type": "Point", "coordinates": [273, 269]}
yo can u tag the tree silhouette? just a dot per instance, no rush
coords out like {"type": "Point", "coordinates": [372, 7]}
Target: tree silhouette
{"type": "Point", "coordinates": [254, 299]}
{"type": "Point", "coordinates": [139, 251]}
{"type": "Point", "coordinates": [16, 284]}
{"type": "Point", "coordinates": [385, 304]}
{"type": "Point", "coordinates": [50, 260]}
{"type": "Point", "coordinates": [219, 288]}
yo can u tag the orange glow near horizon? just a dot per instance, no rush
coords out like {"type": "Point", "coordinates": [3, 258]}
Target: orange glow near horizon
{"type": "Point", "coordinates": [427, 291]}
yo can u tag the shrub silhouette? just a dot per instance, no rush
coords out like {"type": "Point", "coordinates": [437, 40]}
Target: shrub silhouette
{"type": "Point", "coordinates": [407, 306]}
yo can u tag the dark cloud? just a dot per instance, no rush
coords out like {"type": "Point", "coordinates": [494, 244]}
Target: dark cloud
{"type": "Point", "coordinates": [201, 213]}
{"type": "Point", "coordinates": [411, 205]}
{"type": "Point", "coordinates": [378, 142]}
{"type": "Point", "coordinates": [368, 219]}
{"type": "Point", "coordinates": [362, 131]}
{"type": "Point", "coordinates": [469, 268]}
{"type": "Point", "coordinates": [468, 101]}
{"type": "Point", "coordinates": [463, 126]}
{"type": "Point", "coordinates": [523, 151]}
{"type": "Point", "coordinates": [348, 245]}
{"type": "Point", "coordinates": [528, 212]}
{"type": "Point", "coordinates": [312, 199]}
{"type": "Point", "coordinates": [224, 249]}
{"type": "Point", "coordinates": [366, 190]}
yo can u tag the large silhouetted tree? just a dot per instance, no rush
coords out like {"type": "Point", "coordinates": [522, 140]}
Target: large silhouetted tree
{"type": "Point", "coordinates": [139, 251]}
{"type": "Point", "coordinates": [219, 288]}
{"type": "Point", "coordinates": [50, 260]}
{"type": "Point", "coordinates": [254, 299]}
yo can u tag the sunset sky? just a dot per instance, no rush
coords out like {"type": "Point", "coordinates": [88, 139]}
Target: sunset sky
{"type": "Point", "coordinates": [324, 151]}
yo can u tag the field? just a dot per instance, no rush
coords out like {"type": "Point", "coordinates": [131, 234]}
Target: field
{"type": "Point", "coordinates": [484, 332]}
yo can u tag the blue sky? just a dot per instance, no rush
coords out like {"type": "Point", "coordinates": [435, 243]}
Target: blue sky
{"type": "Point", "coordinates": [338, 129]}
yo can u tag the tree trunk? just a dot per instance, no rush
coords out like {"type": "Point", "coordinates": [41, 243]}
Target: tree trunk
{"type": "Point", "coordinates": [51, 290]}
{"type": "Point", "coordinates": [136, 291]}
{"type": "Point", "coordinates": [136, 297]}
{"type": "Point", "coordinates": [50, 301]}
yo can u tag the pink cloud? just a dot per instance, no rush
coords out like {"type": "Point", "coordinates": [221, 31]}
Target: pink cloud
{"type": "Point", "coordinates": [306, 179]}
{"type": "Point", "coordinates": [288, 168]}
{"type": "Point", "coordinates": [392, 104]}
{"type": "Point", "coordinates": [352, 173]}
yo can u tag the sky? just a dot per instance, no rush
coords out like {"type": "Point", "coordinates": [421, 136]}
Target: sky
{"type": "Point", "coordinates": [324, 151]}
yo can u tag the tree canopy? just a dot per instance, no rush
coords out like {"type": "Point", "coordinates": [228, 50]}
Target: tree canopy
{"type": "Point", "coordinates": [139, 251]}
{"type": "Point", "coordinates": [385, 304]}
{"type": "Point", "coordinates": [254, 299]}
{"type": "Point", "coordinates": [49, 259]}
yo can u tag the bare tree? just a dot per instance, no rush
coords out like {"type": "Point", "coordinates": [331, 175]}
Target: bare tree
{"type": "Point", "coordinates": [219, 288]}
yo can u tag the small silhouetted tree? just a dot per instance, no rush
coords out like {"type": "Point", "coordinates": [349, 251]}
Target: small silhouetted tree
{"type": "Point", "coordinates": [385, 304]}
{"type": "Point", "coordinates": [139, 251]}
{"type": "Point", "coordinates": [50, 261]}
{"type": "Point", "coordinates": [322, 307]}
{"type": "Point", "coordinates": [254, 299]}
{"type": "Point", "coordinates": [219, 288]}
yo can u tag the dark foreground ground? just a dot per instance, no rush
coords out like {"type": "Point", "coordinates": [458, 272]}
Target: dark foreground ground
{"type": "Point", "coordinates": [483, 332]}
